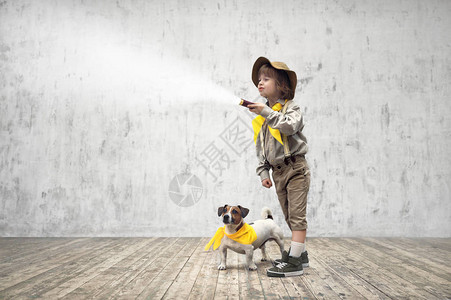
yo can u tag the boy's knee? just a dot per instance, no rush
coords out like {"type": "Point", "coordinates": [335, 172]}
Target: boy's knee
{"type": "Point", "coordinates": [298, 223]}
{"type": "Point", "coordinates": [299, 228]}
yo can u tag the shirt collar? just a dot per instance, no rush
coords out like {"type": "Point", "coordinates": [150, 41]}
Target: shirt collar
{"type": "Point", "coordinates": [281, 101]}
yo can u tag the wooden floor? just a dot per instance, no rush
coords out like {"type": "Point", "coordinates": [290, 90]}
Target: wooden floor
{"type": "Point", "coordinates": [178, 268]}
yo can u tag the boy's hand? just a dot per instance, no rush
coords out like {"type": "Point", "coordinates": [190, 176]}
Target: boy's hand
{"type": "Point", "coordinates": [267, 183]}
{"type": "Point", "coordinates": [256, 108]}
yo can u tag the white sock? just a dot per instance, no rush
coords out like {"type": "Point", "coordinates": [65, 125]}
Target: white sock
{"type": "Point", "coordinates": [296, 249]}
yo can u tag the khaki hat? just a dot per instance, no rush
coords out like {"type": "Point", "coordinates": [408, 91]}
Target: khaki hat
{"type": "Point", "coordinates": [277, 65]}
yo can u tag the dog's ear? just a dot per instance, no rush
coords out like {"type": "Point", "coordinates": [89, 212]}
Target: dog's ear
{"type": "Point", "coordinates": [221, 209]}
{"type": "Point", "coordinates": [244, 211]}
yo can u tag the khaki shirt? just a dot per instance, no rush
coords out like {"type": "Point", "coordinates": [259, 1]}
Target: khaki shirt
{"type": "Point", "coordinates": [290, 124]}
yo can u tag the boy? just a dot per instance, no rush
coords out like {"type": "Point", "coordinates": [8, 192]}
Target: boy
{"type": "Point", "coordinates": [281, 147]}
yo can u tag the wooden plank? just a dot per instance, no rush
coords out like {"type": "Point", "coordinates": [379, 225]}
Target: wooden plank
{"type": "Point", "coordinates": [159, 285]}
{"type": "Point", "coordinates": [55, 276]}
{"type": "Point", "coordinates": [24, 248]}
{"type": "Point", "coordinates": [422, 257]}
{"type": "Point", "coordinates": [183, 284]}
{"type": "Point", "coordinates": [333, 280]}
{"type": "Point", "coordinates": [418, 250]}
{"type": "Point", "coordinates": [403, 276]}
{"type": "Point", "coordinates": [122, 273]}
{"type": "Point", "coordinates": [158, 258]}
{"type": "Point", "coordinates": [205, 285]}
{"type": "Point", "coordinates": [92, 268]}
{"type": "Point", "coordinates": [442, 243]}
{"type": "Point", "coordinates": [316, 284]}
{"type": "Point", "coordinates": [96, 280]}
{"type": "Point", "coordinates": [249, 281]}
{"type": "Point", "coordinates": [361, 267]}
{"type": "Point", "coordinates": [383, 270]}
{"type": "Point", "coordinates": [227, 285]}
{"type": "Point", "coordinates": [419, 280]}
{"type": "Point", "coordinates": [17, 262]}
{"type": "Point", "coordinates": [118, 274]}
{"type": "Point", "coordinates": [87, 284]}
{"type": "Point", "coordinates": [438, 245]}
{"type": "Point", "coordinates": [323, 256]}
{"type": "Point", "coordinates": [10, 246]}
{"type": "Point", "coordinates": [44, 263]}
{"type": "Point", "coordinates": [178, 268]}
{"type": "Point", "coordinates": [83, 269]}
{"type": "Point", "coordinates": [297, 287]}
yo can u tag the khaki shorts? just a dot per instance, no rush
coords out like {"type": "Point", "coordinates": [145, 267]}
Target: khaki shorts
{"type": "Point", "coordinates": [292, 184]}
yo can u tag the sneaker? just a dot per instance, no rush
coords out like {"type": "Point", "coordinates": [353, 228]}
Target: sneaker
{"type": "Point", "coordinates": [289, 266]}
{"type": "Point", "coordinates": [304, 259]}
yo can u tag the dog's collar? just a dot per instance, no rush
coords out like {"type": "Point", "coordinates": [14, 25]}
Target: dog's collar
{"type": "Point", "coordinates": [240, 226]}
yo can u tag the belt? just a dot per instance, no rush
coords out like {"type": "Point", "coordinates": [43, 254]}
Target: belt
{"type": "Point", "coordinates": [287, 162]}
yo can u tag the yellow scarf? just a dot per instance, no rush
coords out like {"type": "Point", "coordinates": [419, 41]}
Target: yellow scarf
{"type": "Point", "coordinates": [257, 124]}
{"type": "Point", "coordinates": [246, 235]}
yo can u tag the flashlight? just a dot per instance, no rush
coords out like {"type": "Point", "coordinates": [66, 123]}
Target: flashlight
{"type": "Point", "coordinates": [245, 103]}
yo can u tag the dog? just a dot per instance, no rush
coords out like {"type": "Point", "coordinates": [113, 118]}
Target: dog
{"type": "Point", "coordinates": [265, 229]}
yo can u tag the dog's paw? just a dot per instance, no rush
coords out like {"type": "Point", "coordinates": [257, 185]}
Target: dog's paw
{"type": "Point", "coordinates": [252, 267]}
{"type": "Point", "coordinates": [222, 267]}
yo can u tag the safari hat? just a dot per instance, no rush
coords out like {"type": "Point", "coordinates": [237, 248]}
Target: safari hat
{"type": "Point", "coordinates": [277, 65]}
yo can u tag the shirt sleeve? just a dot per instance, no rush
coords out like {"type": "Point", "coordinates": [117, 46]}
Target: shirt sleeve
{"type": "Point", "coordinates": [288, 124]}
{"type": "Point", "coordinates": [263, 170]}
{"type": "Point", "coordinates": [263, 165]}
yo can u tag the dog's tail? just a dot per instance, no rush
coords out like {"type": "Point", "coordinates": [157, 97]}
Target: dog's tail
{"type": "Point", "coordinates": [266, 213]}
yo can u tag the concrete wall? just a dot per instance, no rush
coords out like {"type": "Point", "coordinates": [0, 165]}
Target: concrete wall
{"type": "Point", "coordinates": [120, 118]}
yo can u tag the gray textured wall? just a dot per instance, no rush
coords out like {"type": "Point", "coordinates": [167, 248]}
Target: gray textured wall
{"type": "Point", "coordinates": [121, 118]}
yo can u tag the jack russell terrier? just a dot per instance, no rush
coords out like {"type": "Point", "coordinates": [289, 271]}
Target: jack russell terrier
{"type": "Point", "coordinates": [243, 238]}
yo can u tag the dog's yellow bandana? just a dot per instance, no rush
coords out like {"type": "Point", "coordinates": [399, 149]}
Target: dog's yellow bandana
{"type": "Point", "coordinates": [246, 235]}
{"type": "Point", "coordinates": [257, 124]}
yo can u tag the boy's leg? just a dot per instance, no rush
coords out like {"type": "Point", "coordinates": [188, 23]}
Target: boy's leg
{"type": "Point", "coordinates": [292, 186]}
{"type": "Point", "coordinates": [282, 196]}
{"type": "Point", "coordinates": [298, 188]}
{"type": "Point", "coordinates": [298, 235]}
{"type": "Point", "coordinates": [297, 242]}
{"type": "Point", "coordinates": [297, 246]}
{"type": "Point", "coordinates": [292, 189]}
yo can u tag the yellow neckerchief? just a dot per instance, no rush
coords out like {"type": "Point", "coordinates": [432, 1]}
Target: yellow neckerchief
{"type": "Point", "coordinates": [246, 235]}
{"type": "Point", "coordinates": [257, 124]}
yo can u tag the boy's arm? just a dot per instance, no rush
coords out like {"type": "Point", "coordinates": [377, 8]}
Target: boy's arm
{"type": "Point", "coordinates": [288, 124]}
{"type": "Point", "coordinates": [263, 165]}
{"type": "Point", "coordinates": [263, 170]}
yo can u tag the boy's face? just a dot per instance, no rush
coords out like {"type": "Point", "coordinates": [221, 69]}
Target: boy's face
{"type": "Point", "coordinates": [267, 87]}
